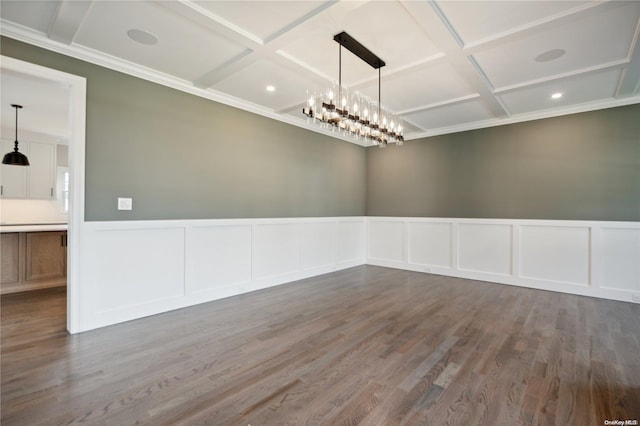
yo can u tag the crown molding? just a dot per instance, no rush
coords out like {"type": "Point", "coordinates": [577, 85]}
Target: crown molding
{"type": "Point", "coordinates": [17, 32]}
{"type": "Point", "coordinates": [538, 115]}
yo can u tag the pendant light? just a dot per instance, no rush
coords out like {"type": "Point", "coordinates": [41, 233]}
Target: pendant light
{"type": "Point", "coordinates": [15, 158]}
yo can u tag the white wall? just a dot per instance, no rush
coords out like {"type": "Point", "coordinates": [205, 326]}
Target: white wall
{"type": "Point", "coordinates": [15, 211]}
{"type": "Point", "coordinates": [600, 259]}
{"type": "Point", "coordinates": [132, 269]}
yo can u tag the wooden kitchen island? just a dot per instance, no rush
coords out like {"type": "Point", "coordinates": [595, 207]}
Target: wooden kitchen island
{"type": "Point", "coordinates": [33, 257]}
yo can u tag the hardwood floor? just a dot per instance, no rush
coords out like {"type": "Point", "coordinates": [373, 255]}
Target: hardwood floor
{"type": "Point", "coordinates": [367, 345]}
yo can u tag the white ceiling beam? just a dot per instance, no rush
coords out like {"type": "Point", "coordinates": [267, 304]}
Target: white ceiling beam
{"type": "Point", "coordinates": [619, 64]}
{"type": "Point", "coordinates": [414, 124]}
{"type": "Point", "coordinates": [629, 83]}
{"type": "Point", "coordinates": [399, 72]}
{"type": "Point", "coordinates": [67, 21]}
{"type": "Point", "coordinates": [256, 48]}
{"type": "Point", "coordinates": [449, 102]}
{"type": "Point", "coordinates": [432, 21]}
{"type": "Point", "coordinates": [232, 66]}
{"type": "Point", "coordinates": [541, 25]}
{"type": "Point", "coordinates": [287, 28]}
{"type": "Point", "coordinates": [212, 22]}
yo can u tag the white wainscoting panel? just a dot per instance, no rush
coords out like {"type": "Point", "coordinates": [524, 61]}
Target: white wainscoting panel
{"type": "Point", "coordinates": [275, 249]}
{"type": "Point", "coordinates": [350, 242]}
{"type": "Point", "coordinates": [555, 253]}
{"type": "Point", "coordinates": [386, 240]}
{"type": "Point", "coordinates": [133, 267]}
{"type": "Point", "coordinates": [485, 247]}
{"type": "Point", "coordinates": [590, 258]}
{"type": "Point", "coordinates": [316, 245]}
{"type": "Point", "coordinates": [430, 244]}
{"type": "Point", "coordinates": [139, 268]}
{"type": "Point", "coordinates": [621, 259]}
{"type": "Point", "coordinates": [217, 256]}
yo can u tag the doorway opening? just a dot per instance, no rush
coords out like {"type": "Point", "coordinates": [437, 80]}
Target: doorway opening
{"type": "Point", "coordinates": [69, 142]}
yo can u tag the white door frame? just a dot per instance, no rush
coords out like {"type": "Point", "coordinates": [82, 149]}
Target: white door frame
{"type": "Point", "coordinates": [77, 129]}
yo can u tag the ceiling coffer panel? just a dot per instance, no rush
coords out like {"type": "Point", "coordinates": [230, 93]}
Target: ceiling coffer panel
{"type": "Point", "coordinates": [450, 65]}
{"type": "Point", "coordinates": [594, 40]}
{"type": "Point", "coordinates": [184, 49]}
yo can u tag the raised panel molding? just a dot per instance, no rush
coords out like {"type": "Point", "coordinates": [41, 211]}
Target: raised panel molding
{"type": "Point", "coordinates": [217, 256]}
{"type": "Point", "coordinates": [430, 244]}
{"type": "Point", "coordinates": [485, 248]}
{"type": "Point", "coordinates": [621, 259]}
{"type": "Point", "coordinates": [316, 245]}
{"type": "Point", "coordinates": [590, 258]}
{"type": "Point", "coordinates": [134, 269]}
{"type": "Point", "coordinates": [555, 253]}
{"type": "Point", "coordinates": [386, 240]}
{"type": "Point", "coordinates": [275, 249]}
{"type": "Point", "coordinates": [350, 242]}
{"type": "Point", "coordinates": [136, 266]}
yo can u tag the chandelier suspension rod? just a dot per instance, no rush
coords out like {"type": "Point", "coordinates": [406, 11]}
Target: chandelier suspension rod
{"type": "Point", "coordinates": [379, 95]}
{"type": "Point", "coordinates": [339, 75]}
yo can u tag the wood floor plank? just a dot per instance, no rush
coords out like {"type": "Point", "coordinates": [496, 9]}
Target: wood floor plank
{"type": "Point", "coordinates": [363, 346]}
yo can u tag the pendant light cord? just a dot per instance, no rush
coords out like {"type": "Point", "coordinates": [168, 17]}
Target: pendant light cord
{"type": "Point", "coordinates": [15, 147]}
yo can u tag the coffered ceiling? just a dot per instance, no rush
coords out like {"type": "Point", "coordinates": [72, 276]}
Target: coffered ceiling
{"type": "Point", "coordinates": [450, 65]}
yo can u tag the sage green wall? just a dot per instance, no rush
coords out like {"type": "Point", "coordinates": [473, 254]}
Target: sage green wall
{"type": "Point", "coordinates": [576, 167]}
{"type": "Point", "coordinates": [184, 157]}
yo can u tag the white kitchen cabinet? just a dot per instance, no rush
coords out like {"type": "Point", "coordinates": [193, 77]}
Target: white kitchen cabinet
{"type": "Point", "coordinates": [41, 174]}
{"type": "Point", "coordinates": [36, 181]}
{"type": "Point", "coordinates": [14, 178]}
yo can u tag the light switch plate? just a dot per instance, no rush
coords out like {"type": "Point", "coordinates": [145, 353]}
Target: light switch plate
{"type": "Point", "coordinates": [125, 203]}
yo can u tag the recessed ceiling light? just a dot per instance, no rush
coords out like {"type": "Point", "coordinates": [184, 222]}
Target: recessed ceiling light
{"type": "Point", "coordinates": [557, 95]}
{"type": "Point", "coordinates": [271, 88]}
{"type": "Point", "coordinates": [550, 55]}
{"type": "Point", "coordinates": [142, 37]}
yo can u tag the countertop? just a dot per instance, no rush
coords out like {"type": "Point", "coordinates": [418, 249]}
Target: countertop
{"type": "Point", "coordinates": [33, 227]}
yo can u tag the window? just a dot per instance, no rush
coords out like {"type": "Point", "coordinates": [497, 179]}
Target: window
{"type": "Point", "coordinates": [63, 188]}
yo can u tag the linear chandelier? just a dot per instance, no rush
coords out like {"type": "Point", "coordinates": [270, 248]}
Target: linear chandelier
{"type": "Point", "coordinates": [352, 114]}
